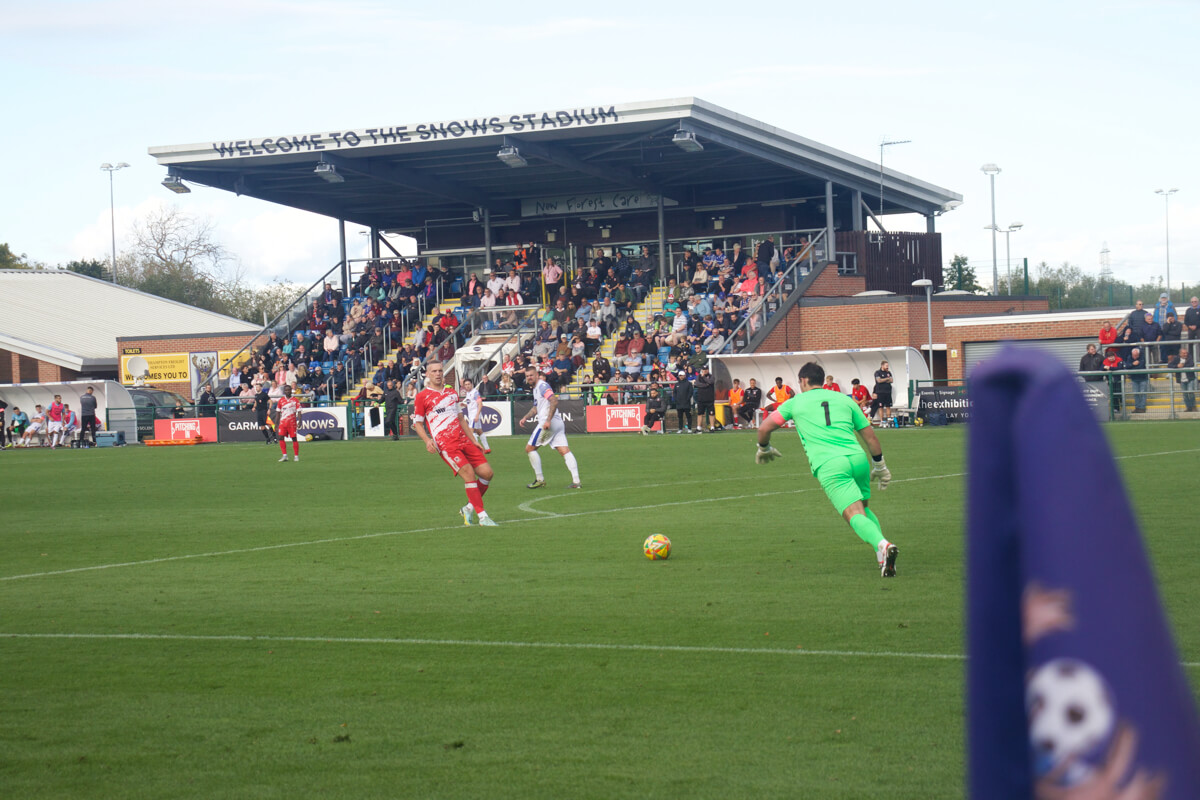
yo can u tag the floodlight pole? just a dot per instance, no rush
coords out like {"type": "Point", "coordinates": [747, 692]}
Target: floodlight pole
{"type": "Point", "coordinates": [1166, 193]}
{"type": "Point", "coordinates": [112, 211]}
{"type": "Point", "coordinates": [883, 144]}
{"type": "Point", "coordinates": [990, 170]}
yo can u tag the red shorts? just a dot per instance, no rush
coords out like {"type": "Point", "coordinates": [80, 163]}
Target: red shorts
{"type": "Point", "coordinates": [287, 428]}
{"type": "Point", "coordinates": [459, 454]}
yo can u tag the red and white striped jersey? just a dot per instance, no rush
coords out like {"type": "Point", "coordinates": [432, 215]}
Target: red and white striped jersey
{"type": "Point", "coordinates": [288, 406]}
{"type": "Point", "coordinates": [439, 410]}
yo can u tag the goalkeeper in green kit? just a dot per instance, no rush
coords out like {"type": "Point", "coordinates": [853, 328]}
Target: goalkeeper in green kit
{"type": "Point", "coordinates": [834, 432]}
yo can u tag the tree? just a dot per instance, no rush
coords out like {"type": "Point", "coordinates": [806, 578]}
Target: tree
{"type": "Point", "coordinates": [959, 275]}
{"type": "Point", "coordinates": [10, 260]}
{"type": "Point", "coordinates": [90, 267]}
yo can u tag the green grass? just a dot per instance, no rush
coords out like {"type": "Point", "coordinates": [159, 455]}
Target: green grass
{"type": "Point", "coordinates": [234, 627]}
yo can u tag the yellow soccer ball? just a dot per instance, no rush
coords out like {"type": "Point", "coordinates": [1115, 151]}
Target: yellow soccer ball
{"type": "Point", "coordinates": [657, 547]}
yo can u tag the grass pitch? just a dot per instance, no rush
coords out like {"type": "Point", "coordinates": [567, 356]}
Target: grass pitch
{"type": "Point", "coordinates": [205, 622]}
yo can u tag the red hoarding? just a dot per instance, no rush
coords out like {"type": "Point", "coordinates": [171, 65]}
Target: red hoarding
{"type": "Point", "coordinates": [615, 419]}
{"type": "Point", "coordinates": [187, 428]}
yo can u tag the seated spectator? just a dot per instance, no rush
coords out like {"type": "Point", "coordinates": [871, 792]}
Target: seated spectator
{"type": "Point", "coordinates": [593, 336]}
{"type": "Point", "coordinates": [578, 351]}
{"type": "Point", "coordinates": [632, 364]}
{"type": "Point", "coordinates": [656, 409]}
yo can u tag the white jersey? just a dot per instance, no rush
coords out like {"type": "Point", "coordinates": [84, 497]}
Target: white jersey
{"type": "Point", "coordinates": [541, 396]}
{"type": "Point", "coordinates": [472, 407]}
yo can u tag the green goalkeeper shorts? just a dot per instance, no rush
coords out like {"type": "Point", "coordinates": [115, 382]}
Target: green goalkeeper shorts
{"type": "Point", "coordinates": [846, 480]}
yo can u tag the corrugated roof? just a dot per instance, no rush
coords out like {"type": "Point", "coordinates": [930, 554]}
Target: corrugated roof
{"type": "Point", "coordinates": [72, 320]}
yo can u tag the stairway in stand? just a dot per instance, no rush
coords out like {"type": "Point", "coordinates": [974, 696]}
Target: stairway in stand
{"type": "Point", "coordinates": [643, 313]}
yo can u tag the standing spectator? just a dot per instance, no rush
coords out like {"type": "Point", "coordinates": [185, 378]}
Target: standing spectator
{"type": "Point", "coordinates": [1133, 321]}
{"type": "Point", "coordinates": [764, 256]}
{"type": "Point", "coordinates": [1172, 334]}
{"type": "Point", "coordinates": [1151, 333]}
{"type": "Point", "coordinates": [1163, 308]}
{"type": "Point", "coordinates": [392, 398]}
{"type": "Point", "coordinates": [3, 432]}
{"type": "Point", "coordinates": [683, 402]}
{"type": "Point", "coordinates": [656, 409]}
{"type": "Point", "coordinates": [1187, 380]}
{"type": "Point", "coordinates": [1191, 322]}
{"type": "Point", "coordinates": [1112, 365]}
{"type": "Point", "coordinates": [1092, 362]}
{"type": "Point", "coordinates": [87, 414]}
{"type": "Point", "coordinates": [552, 279]}
{"type": "Point", "coordinates": [881, 400]}
{"type": "Point", "coordinates": [1141, 382]}
{"type": "Point", "coordinates": [1108, 335]}
{"type": "Point", "coordinates": [706, 398]}
{"type": "Point", "coordinates": [751, 400]}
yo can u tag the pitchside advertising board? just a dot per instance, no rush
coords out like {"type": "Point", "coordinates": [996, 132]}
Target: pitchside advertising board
{"type": "Point", "coordinates": [573, 413]}
{"type": "Point", "coordinates": [949, 400]}
{"type": "Point", "coordinates": [187, 428]}
{"type": "Point", "coordinates": [242, 426]}
{"type": "Point", "coordinates": [616, 419]}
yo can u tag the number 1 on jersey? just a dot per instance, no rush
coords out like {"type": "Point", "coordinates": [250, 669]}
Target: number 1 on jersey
{"type": "Point", "coordinates": [825, 405]}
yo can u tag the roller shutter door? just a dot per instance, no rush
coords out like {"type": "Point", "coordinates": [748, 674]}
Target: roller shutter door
{"type": "Point", "coordinates": [1068, 351]}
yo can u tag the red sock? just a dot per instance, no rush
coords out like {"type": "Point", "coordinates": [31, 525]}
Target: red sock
{"type": "Point", "coordinates": [483, 486]}
{"type": "Point", "coordinates": [283, 446]}
{"type": "Point", "coordinates": [295, 447]}
{"type": "Point", "coordinates": [475, 497]}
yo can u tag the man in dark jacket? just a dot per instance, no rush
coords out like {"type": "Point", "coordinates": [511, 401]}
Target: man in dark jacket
{"type": "Point", "coordinates": [683, 402]}
{"type": "Point", "coordinates": [392, 398]}
{"type": "Point", "coordinates": [656, 409]}
{"type": "Point", "coordinates": [751, 400]}
{"type": "Point", "coordinates": [1092, 362]}
{"type": "Point", "coordinates": [706, 397]}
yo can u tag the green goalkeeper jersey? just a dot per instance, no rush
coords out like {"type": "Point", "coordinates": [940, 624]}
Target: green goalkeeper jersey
{"type": "Point", "coordinates": [827, 422]}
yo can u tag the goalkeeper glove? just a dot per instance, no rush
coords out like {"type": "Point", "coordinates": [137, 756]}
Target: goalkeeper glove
{"type": "Point", "coordinates": [881, 472]}
{"type": "Point", "coordinates": [766, 454]}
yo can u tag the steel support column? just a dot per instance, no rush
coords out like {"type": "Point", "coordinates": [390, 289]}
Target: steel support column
{"type": "Point", "coordinates": [345, 264]}
{"type": "Point", "coordinates": [856, 204]}
{"type": "Point", "coordinates": [662, 242]}
{"type": "Point", "coordinates": [487, 238]}
{"type": "Point", "coordinates": [929, 226]}
{"type": "Point", "coordinates": [830, 238]}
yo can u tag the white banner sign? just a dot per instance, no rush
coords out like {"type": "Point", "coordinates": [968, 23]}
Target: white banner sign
{"type": "Point", "coordinates": [603, 202]}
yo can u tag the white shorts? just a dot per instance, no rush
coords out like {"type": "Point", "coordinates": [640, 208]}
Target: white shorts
{"type": "Point", "coordinates": [34, 427]}
{"type": "Point", "coordinates": [555, 436]}
{"type": "Point", "coordinates": [54, 427]}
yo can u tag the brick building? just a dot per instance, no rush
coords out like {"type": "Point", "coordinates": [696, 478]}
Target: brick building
{"type": "Point", "coordinates": [60, 326]}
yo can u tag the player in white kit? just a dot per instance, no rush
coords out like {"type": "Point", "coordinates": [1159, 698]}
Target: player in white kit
{"type": "Point", "coordinates": [472, 403]}
{"type": "Point", "coordinates": [547, 431]}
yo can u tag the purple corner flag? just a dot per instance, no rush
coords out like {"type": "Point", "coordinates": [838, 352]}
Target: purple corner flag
{"type": "Point", "coordinates": [1074, 686]}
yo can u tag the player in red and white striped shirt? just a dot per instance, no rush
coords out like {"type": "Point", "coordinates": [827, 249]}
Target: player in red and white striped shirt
{"type": "Point", "coordinates": [287, 411]}
{"type": "Point", "coordinates": [437, 406]}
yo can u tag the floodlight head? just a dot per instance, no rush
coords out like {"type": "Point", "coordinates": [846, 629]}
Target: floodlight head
{"type": "Point", "coordinates": [951, 205]}
{"type": "Point", "coordinates": [923, 282]}
{"type": "Point", "coordinates": [329, 173]}
{"type": "Point", "coordinates": [122, 165]}
{"type": "Point", "coordinates": [107, 165]}
{"type": "Point", "coordinates": [990, 169]}
{"type": "Point", "coordinates": [175, 184]}
{"type": "Point", "coordinates": [687, 142]}
{"type": "Point", "coordinates": [1016, 226]}
{"type": "Point", "coordinates": [511, 156]}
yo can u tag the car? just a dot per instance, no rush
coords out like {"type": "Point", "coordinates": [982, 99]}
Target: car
{"type": "Point", "coordinates": [151, 404]}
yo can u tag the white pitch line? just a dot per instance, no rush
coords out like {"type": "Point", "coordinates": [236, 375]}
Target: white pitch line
{"type": "Point", "coordinates": [636, 648]}
{"type": "Point", "coordinates": [669, 648]}
{"type": "Point", "coordinates": [334, 540]}
{"type": "Point", "coordinates": [544, 515]}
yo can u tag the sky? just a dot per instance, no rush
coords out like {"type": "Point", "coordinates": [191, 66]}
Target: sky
{"type": "Point", "coordinates": [1087, 108]}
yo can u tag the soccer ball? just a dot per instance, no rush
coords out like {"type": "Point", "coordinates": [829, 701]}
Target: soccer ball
{"type": "Point", "coordinates": [657, 547]}
{"type": "Point", "coordinates": [1071, 713]}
